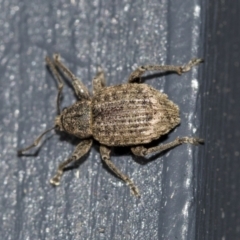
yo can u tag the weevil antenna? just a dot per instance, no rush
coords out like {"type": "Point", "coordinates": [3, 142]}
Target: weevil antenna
{"type": "Point", "coordinates": [35, 143]}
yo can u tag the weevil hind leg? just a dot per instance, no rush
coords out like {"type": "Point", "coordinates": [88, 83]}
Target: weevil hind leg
{"type": "Point", "coordinates": [99, 81]}
{"type": "Point", "coordinates": [105, 154]}
{"type": "Point", "coordinates": [143, 151]}
{"type": "Point", "coordinates": [136, 75]}
{"type": "Point", "coordinates": [81, 149]}
{"type": "Point", "coordinates": [80, 89]}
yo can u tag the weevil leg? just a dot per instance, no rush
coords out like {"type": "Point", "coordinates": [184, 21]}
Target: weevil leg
{"type": "Point", "coordinates": [143, 151]}
{"type": "Point", "coordinates": [105, 154]}
{"type": "Point", "coordinates": [136, 75]}
{"type": "Point", "coordinates": [81, 149]}
{"type": "Point", "coordinates": [59, 81]}
{"type": "Point", "coordinates": [99, 81]}
{"type": "Point", "coordinates": [79, 88]}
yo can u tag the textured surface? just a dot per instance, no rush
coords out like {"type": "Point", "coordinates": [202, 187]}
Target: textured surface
{"type": "Point", "coordinates": [91, 203]}
{"type": "Point", "coordinates": [218, 214]}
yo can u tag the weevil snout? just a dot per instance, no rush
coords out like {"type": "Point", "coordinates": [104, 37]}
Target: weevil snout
{"type": "Point", "coordinates": [58, 123]}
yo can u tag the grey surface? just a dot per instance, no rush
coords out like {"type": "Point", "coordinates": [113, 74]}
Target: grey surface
{"type": "Point", "coordinates": [91, 203]}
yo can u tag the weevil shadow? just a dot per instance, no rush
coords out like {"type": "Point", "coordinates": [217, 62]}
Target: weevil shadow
{"type": "Point", "coordinates": [65, 137]}
{"type": "Point", "coordinates": [153, 76]}
{"type": "Point", "coordinates": [126, 151]}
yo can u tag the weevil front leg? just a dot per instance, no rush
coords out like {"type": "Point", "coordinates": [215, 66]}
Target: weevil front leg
{"type": "Point", "coordinates": [136, 75]}
{"type": "Point", "coordinates": [79, 88]}
{"type": "Point", "coordinates": [59, 81]}
{"type": "Point", "coordinates": [99, 81]}
{"type": "Point", "coordinates": [143, 151]}
{"type": "Point", "coordinates": [81, 149]}
{"type": "Point", "coordinates": [105, 154]}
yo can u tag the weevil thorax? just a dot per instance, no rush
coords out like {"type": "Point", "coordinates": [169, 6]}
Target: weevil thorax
{"type": "Point", "coordinates": [76, 119]}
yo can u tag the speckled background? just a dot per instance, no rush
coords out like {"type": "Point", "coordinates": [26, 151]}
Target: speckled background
{"type": "Point", "coordinates": [91, 203]}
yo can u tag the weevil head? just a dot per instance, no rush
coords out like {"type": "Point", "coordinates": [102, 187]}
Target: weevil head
{"type": "Point", "coordinates": [76, 120]}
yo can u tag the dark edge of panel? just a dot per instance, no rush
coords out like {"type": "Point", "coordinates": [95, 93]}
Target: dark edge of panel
{"type": "Point", "coordinates": [219, 162]}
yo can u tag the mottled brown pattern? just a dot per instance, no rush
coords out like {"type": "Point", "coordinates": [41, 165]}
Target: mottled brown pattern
{"type": "Point", "coordinates": [131, 114]}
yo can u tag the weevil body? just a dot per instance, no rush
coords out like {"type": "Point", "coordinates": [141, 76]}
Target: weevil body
{"type": "Point", "coordinates": [130, 114]}
{"type": "Point", "coordinates": [122, 115]}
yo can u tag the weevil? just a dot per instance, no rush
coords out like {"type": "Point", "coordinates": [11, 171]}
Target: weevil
{"type": "Point", "coordinates": [131, 114]}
